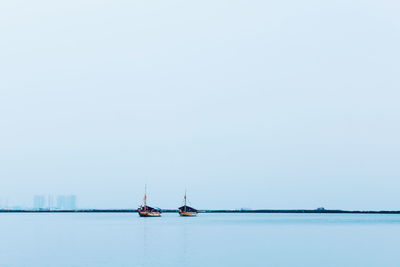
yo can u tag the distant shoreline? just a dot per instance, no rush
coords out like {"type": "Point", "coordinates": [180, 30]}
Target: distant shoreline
{"type": "Point", "coordinates": [317, 211]}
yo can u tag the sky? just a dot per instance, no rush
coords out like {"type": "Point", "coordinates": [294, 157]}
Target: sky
{"type": "Point", "coordinates": [246, 104]}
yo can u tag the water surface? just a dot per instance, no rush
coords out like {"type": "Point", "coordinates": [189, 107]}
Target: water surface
{"type": "Point", "coordinates": [122, 239]}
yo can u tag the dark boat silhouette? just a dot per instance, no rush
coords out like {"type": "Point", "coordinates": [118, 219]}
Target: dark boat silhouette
{"type": "Point", "coordinates": [147, 211]}
{"type": "Point", "coordinates": [187, 211]}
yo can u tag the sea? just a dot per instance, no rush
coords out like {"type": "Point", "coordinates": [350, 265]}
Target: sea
{"type": "Point", "coordinates": [124, 239]}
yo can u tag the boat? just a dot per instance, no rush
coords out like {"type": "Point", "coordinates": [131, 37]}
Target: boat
{"type": "Point", "coordinates": [187, 211]}
{"type": "Point", "coordinates": [147, 211]}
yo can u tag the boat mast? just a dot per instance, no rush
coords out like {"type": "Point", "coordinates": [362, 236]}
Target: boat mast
{"type": "Point", "coordinates": [185, 197]}
{"type": "Point", "coordinates": [145, 196]}
{"type": "Point", "coordinates": [185, 200]}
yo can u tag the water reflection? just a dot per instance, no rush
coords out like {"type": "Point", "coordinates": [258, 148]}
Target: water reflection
{"type": "Point", "coordinates": [212, 240]}
{"type": "Point", "coordinates": [144, 261]}
{"type": "Point", "coordinates": [184, 232]}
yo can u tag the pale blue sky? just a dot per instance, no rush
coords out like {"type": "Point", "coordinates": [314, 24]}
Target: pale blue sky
{"type": "Point", "coordinates": [264, 104]}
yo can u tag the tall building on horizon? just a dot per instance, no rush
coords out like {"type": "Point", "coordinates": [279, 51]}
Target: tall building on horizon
{"type": "Point", "coordinates": [71, 202]}
{"type": "Point", "coordinates": [66, 202]}
{"type": "Point", "coordinates": [39, 202]}
{"type": "Point", "coordinates": [50, 202]}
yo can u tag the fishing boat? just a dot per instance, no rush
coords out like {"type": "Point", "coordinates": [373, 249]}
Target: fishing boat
{"type": "Point", "coordinates": [187, 211]}
{"type": "Point", "coordinates": [147, 211]}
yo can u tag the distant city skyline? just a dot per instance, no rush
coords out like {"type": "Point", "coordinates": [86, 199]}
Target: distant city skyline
{"type": "Point", "coordinates": [44, 201]}
{"type": "Point", "coordinates": [60, 202]}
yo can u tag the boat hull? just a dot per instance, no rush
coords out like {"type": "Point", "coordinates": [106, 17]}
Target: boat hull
{"type": "Point", "coordinates": [188, 214]}
{"type": "Point", "coordinates": [149, 214]}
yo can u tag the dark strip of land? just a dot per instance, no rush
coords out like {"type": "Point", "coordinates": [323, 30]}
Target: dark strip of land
{"type": "Point", "coordinates": [318, 211]}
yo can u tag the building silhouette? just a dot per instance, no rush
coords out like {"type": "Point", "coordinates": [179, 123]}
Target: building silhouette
{"type": "Point", "coordinates": [61, 202]}
{"type": "Point", "coordinates": [39, 202]}
{"type": "Point", "coordinates": [66, 202]}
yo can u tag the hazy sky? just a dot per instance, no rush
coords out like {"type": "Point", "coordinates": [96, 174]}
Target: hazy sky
{"type": "Point", "coordinates": [263, 104]}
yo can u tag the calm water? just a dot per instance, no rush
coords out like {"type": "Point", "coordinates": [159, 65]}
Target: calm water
{"type": "Point", "coordinates": [67, 240]}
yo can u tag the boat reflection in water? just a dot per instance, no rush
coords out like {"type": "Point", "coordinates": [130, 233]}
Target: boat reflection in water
{"type": "Point", "coordinates": [187, 211]}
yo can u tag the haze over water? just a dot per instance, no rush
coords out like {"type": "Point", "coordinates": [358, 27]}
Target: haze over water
{"type": "Point", "coordinates": [258, 104]}
{"type": "Point", "coordinates": [213, 240]}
